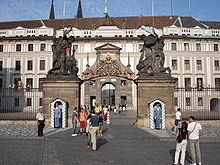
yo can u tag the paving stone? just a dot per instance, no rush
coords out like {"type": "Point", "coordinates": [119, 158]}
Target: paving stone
{"type": "Point", "coordinates": [122, 144]}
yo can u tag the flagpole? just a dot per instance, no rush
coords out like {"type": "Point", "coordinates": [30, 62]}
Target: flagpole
{"type": "Point", "coordinates": [64, 14]}
{"type": "Point", "coordinates": [190, 12]}
{"type": "Point", "coordinates": [152, 12]}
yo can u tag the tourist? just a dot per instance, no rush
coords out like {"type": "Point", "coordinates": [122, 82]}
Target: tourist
{"type": "Point", "coordinates": [94, 123]}
{"type": "Point", "coordinates": [182, 135]}
{"type": "Point", "coordinates": [105, 113]}
{"type": "Point", "coordinates": [194, 132]}
{"type": "Point", "coordinates": [100, 124]}
{"type": "Point", "coordinates": [82, 120]}
{"type": "Point", "coordinates": [157, 116]}
{"type": "Point", "coordinates": [97, 109]}
{"type": "Point", "coordinates": [74, 121]}
{"type": "Point", "coordinates": [119, 108]}
{"type": "Point", "coordinates": [178, 121]}
{"type": "Point", "coordinates": [109, 107]}
{"type": "Point", "coordinates": [89, 143]}
{"type": "Point", "coordinates": [57, 116]}
{"type": "Point", "coordinates": [178, 117]}
{"type": "Point", "coordinates": [40, 117]}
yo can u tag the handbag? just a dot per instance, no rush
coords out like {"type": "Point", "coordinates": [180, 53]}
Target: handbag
{"type": "Point", "coordinates": [179, 139]}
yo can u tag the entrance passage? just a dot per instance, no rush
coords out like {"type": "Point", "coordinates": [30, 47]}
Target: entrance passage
{"type": "Point", "coordinates": [108, 94]}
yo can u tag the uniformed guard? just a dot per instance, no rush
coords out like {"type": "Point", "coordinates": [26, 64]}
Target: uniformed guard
{"type": "Point", "coordinates": [57, 116]}
{"type": "Point", "coordinates": [157, 116]}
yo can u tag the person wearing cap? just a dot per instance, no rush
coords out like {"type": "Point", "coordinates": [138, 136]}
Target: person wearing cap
{"type": "Point", "coordinates": [57, 116]}
{"type": "Point", "coordinates": [157, 116]}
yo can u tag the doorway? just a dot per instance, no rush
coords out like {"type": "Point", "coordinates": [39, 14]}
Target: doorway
{"type": "Point", "coordinates": [108, 94]}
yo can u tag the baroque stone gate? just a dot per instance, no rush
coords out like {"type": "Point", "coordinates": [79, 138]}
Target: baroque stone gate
{"type": "Point", "coordinates": [108, 69]}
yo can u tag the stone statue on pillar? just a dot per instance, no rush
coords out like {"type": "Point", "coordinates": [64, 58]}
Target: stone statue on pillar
{"type": "Point", "coordinates": [64, 61]}
{"type": "Point", "coordinates": [151, 62]}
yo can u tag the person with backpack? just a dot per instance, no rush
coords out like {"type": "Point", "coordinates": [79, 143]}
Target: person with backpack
{"type": "Point", "coordinates": [182, 135]}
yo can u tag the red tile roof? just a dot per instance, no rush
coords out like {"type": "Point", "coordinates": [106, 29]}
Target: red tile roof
{"type": "Point", "coordinates": [94, 23]}
{"type": "Point", "coordinates": [120, 22]}
{"type": "Point", "coordinates": [212, 24]}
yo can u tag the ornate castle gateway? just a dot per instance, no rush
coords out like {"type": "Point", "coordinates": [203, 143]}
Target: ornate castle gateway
{"type": "Point", "coordinates": [108, 81]}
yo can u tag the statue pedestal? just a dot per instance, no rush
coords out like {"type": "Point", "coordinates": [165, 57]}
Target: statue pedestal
{"type": "Point", "coordinates": [150, 89]}
{"type": "Point", "coordinates": [67, 90]}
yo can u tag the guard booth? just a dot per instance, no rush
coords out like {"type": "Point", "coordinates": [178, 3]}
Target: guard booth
{"type": "Point", "coordinates": [162, 106]}
{"type": "Point", "coordinates": [63, 116]}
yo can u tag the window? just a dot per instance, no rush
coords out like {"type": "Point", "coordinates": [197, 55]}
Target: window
{"type": "Point", "coordinates": [40, 102]}
{"type": "Point", "coordinates": [188, 101]}
{"type": "Point", "coordinates": [75, 47]}
{"type": "Point", "coordinates": [198, 47]}
{"type": "Point", "coordinates": [175, 101]}
{"type": "Point", "coordinates": [187, 65]}
{"type": "Point", "coordinates": [123, 82]}
{"type": "Point", "coordinates": [200, 101]}
{"type": "Point", "coordinates": [17, 82]}
{"type": "Point", "coordinates": [29, 82]}
{"type": "Point", "coordinates": [123, 100]}
{"type": "Point", "coordinates": [30, 47]}
{"type": "Point", "coordinates": [29, 101]}
{"type": "Point", "coordinates": [17, 65]}
{"type": "Point", "coordinates": [1, 65]}
{"type": "Point", "coordinates": [215, 47]}
{"type": "Point", "coordinates": [199, 83]}
{"type": "Point", "coordinates": [216, 64]}
{"type": "Point", "coordinates": [17, 102]}
{"type": "Point", "coordinates": [18, 47]}
{"type": "Point", "coordinates": [199, 64]}
{"type": "Point", "coordinates": [186, 46]}
{"type": "Point", "coordinates": [1, 83]}
{"type": "Point", "coordinates": [42, 47]}
{"type": "Point", "coordinates": [29, 65]}
{"type": "Point", "coordinates": [104, 92]}
{"type": "Point", "coordinates": [42, 64]}
{"type": "Point", "coordinates": [187, 83]}
{"type": "Point", "coordinates": [1, 48]}
{"type": "Point", "coordinates": [176, 84]}
{"type": "Point", "coordinates": [173, 46]}
{"type": "Point", "coordinates": [92, 82]}
{"type": "Point", "coordinates": [174, 64]}
{"type": "Point", "coordinates": [140, 46]}
{"type": "Point", "coordinates": [217, 82]}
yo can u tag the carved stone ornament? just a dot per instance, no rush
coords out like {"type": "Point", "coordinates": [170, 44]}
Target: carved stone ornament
{"type": "Point", "coordinates": [151, 62]}
{"type": "Point", "coordinates": [109, 65]}
{"type": "Point", "coordinates": [64, 62]}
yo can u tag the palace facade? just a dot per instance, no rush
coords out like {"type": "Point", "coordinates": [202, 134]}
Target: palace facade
{"type": "Point", "coordinates": [192, 50]}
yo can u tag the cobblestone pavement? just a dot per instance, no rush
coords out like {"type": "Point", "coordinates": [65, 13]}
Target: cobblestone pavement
{"type": "Point", "coordinates": [121, 144]}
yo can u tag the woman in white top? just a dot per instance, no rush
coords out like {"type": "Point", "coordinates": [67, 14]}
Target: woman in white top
{"type": "Point", "coordinates": [40, 122]}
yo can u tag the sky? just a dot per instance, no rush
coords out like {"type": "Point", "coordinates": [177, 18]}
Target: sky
{"type": "Point", "coordinates": [18, 10]}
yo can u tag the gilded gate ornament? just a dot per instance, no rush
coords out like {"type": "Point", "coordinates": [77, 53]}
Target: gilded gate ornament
{"type": "Point", "coordinates": [108, 66]}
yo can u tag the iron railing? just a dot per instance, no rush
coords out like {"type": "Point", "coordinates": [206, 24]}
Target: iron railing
{"type": "Point", "coordinates": [202, 103]}
{"type": "Point", "coordinates": [20, 104]}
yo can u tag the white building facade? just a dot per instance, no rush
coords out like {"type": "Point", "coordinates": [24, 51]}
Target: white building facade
{"type": "Point", "coordinates": [192, 48]}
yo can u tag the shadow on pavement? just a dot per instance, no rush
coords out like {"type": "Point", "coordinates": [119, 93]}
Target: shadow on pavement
{"type": "Point", "coordinates": [172, 153]}
{"type": "Point", "coordinates": [101, 142]}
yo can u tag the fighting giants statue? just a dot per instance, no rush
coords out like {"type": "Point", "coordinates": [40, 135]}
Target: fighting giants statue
{"type": "Point", "coordinates": [152, 58]}
{"type": "Point", "coordinates": [64, 62]}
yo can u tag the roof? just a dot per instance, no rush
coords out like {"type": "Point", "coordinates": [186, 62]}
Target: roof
{"type": "Point", "coordinates": [120, 22]}
{"type": "Point", "coordinates": [189, 22]}
{"type": "Point", "coordinates": [212, 24]}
